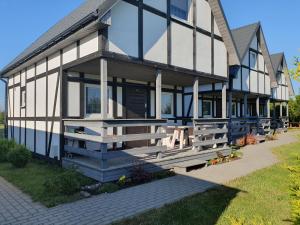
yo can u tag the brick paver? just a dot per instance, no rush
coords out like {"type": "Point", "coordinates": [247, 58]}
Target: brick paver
{"type": "Point", "coordinates": [17, 208]}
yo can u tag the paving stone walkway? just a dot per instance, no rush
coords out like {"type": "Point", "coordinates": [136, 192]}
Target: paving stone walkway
{"type": "Point", "coordinates": [17, 208]}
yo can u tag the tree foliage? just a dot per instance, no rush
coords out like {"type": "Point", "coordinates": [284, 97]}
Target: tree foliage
{"type": "Point", "coordinates": [294, 109]}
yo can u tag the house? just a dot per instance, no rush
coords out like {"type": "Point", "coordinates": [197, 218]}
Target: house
{"type": "Point", "coordinates": [103, 87]}
{"type": "Point", "coordinates": [281, 92]}
{"type": "Point", "coordinates": [250, 87]}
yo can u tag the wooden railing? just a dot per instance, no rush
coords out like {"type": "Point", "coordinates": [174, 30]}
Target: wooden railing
{"type": "Point", "coordinates": [280, 123]}
{"type": "Point", "coordinates": [210, 134]}
{"type": "Point", "coordinates": [154, 133]}
{"type": "Point", "coordinates": [264, 126]}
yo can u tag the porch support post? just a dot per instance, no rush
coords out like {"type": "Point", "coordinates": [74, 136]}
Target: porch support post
{"type": "Point", "coordinates": [196, 97]}
{"type": "Point", "coordinates": [245, 105]}
{"type": "Point", "coordinates": [103, 88]}
{"type": "Point", "coordinates": [268, 108]}
{"type": "Point", "coordinates": [280, 109]}
{"type": "Point", "coordinates": [224, 101]}
{"type": "Point", "coordinates": [274, 110]}
{"type": "Point", "coordinates": [103, 110]}
{"type": "Point", "coordinates": [158, 105]}
{"type": "Point", "coordinates": [257, 106]}
{"type": "Point", "coordinates": [158, 94]}
{"type": "Point", "coordinates": [287, 109]}
{"type": "Point", "coordinates": [230, 105]}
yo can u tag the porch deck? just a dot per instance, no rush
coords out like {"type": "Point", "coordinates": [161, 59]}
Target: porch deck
{"type": "Point", "coordinates": [210, 138]}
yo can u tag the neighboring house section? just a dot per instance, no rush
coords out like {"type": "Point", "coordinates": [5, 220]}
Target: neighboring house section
{"type": "Point", "coordinates": [282, 92]}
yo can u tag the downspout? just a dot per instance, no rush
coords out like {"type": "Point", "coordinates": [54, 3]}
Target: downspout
{"type": "Point", "coordinates": [5, 109]}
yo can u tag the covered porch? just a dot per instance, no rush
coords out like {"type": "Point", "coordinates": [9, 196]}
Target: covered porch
{"type": "Point", "coordinates": [280, 115]}
{"type": "Point", "coordinates": [142, 121]}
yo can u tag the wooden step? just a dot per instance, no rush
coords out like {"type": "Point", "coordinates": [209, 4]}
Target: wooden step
{"type": "Point", "coordinates": [186, 166]}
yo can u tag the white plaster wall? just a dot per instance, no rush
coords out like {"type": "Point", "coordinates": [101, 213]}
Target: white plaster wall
{"type": "Point", "coordinates": [182, 46]}
{"type": "Point", "coordinates": [245, 79]}
{"type": "Point", "coordinates": [246, 59]}
{"type": "Point", "coordinates": [70, 53]}
{"type": "Point", "coordinates": [10, 124]}
{"type": "Point", "coordinates": [54, 61]}
{"type": "Point", "coordinates": [155, 38]}
{"type": "Point", "coordinates": [261, 62]}
{"type": "Point", "coordinates": [123, 33]}
{"type": "Point", "coordinates": [267, 85]}
{"type": "Point", "coordinates": [54, 149]}
{"type": "Point", "coordinates": [10, 102]}
{"type": "Point", "coordinates": [216, 29]}
{"type": "Point", "coordinates": [157, 4]}
{"type": "Point", "coordinates": [89, 44]}
{"type": "Point", "coordinates": [23, 78]}
{"type": "Point", "coordinates": [254, 43]}
{"type": "Point", "coordinates": [203, 15]}
{"type": "Point", "coordinates": [237, 81]}
{"type": "Point", "coordinates": [73, 99]}
{"type": "Point", "coordinates": [10, 81]}
{"type": "Point", "coordinates": [30, 135]}
{"type": "Point", "coordinates": [279, 92]}
{"type": "Point", "coordinates": [287, 94]}
{"type": "Point", "coordinates": [261, 83]}
{"type": "Point", "coordinates": [253, 81]}
{"type": "Point", "coordinates": [30, 72]}
{"type": "Point", "coordinates": [203, 63]}
{"type": "Point", "coordinates": [41, 97]}
{"type": "Point", "coordinates": [17, 101]}
{"type": "Point", "coordinates": [17, 78]}
{"type": "Point", "coordinates": [40, 137]}
{"type": "Point", "coordinates": [52, 83]}
{"type": "Point", "coordinates": [41, 67]}
{"type": "Point", "coordinates": [30, 99]}
{"type": "Point", "coordinates": [220, 64]}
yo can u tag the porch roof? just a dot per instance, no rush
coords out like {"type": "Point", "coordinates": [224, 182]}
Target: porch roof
{"type": "Point", "coordinates": [134, 69]}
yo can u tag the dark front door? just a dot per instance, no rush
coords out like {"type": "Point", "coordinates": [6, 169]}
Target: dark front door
{"type": "Point", "coordinates": [136, 108]}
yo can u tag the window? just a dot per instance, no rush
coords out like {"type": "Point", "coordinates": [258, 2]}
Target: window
{"type": "Point", "coordinates": [233, 109]}
{"type": "Point", "coordinates": [167, 106]}
{"type": "Point", "coordinates": [207, 108]}
{"type": "Point", "coordinates": [261, 110]}
{"type": "Point", "coordinates": [253, 60]}
{"type": "Point", "coordinates": [92, 99]}
{"type": "Point", "coordinates": [180, 9]}
{"type": "Point", "coordinates": [23, 98]}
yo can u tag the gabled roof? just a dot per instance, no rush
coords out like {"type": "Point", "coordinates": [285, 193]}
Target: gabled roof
{"type": "Point", "coordinates": [277, 60]}
{"type": "Point", "coordinates": [97, 9]}
{"type": "Point", "coordinates": [243, 37]}
{"type": "Point", "coordinates": [90, 8]}
{"type": "Point", "coordinates": [224, 29]}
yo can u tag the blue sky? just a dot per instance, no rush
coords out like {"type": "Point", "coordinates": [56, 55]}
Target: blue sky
{"type": "Point", "coordinates": [23, 21]}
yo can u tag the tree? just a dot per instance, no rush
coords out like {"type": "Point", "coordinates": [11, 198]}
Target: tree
{"type": "Point", "coordinates": [294, 109]}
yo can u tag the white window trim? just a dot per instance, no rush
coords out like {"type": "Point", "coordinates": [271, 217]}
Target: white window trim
{"type": "Point", "coordinates": [90, 115]}
{"type": "Point", "coordinates": [234, 113]}
{"type": "Point", "coordinates": [171, 115]}
{"type": "Point", "coordinates": [23, 98]}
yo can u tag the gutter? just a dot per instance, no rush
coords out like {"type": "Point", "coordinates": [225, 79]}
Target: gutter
{"type": "Point", "coordinates": [77, 26]}
{"type": "Point", "coordinates": [5, 109]}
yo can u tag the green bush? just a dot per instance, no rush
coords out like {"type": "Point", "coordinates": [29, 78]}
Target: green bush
{"type": "Point", "coordinates": [66, 183]}
{"type": "Point", "coordinates": [5, 147]}
{"type": "Point", "coordinates": [19, 156]}
{"type": "Point", "coordinates": [108, 188]}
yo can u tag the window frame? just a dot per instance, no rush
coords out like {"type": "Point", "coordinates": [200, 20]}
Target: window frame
{"type": "Point", "coordinates": [23, 98]}
{"type": "Point", "coordinates": [89, 115]}
{"type": "Point", "coordinates": [210, 108]}
{"type": "Point", "coordinates": [251, 53]}
{"type": "Point", "coordinates": [189, 12]}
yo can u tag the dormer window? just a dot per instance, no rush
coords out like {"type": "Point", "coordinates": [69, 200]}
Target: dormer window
{"type": "Point", "coordinates": [181, 9]}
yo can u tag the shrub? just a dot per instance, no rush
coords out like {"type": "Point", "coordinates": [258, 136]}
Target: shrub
{"type": "Point", "coordinates": [122, 181]}
{"type": "Point", "coordinates": [108, 188]}
{"type": "Point", "coordinates": [19, 156]}
{"type": "Point", "coordinates": [139, 175]}
{"type": "Point", "coordinates": [67, 183]}
{"type": "Point", "coordinates": [163, 174]}
{"type": "Point", "coordinates": [5, 147]}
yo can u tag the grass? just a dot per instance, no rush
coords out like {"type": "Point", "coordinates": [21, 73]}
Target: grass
{"type": "Point", "coordinates": [31, 180]}
{"type": "Point", "coordinates": [263, 197]}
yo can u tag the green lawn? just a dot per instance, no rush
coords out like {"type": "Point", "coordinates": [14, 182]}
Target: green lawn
{"type": "Point", "coordinates": [258, 199]}
{"type": "Point", "coordinates": [31, 180]}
